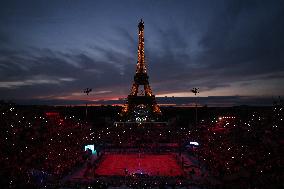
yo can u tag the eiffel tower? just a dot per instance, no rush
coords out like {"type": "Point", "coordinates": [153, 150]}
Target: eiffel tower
{"type": "Point", "coordinates": [141, 107]}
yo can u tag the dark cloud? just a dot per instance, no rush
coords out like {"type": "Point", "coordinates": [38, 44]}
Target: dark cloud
{"type": "Point", "coordinates": [242, 42]}
{"type": "Point", "coordinates": [72, 71]}
{"type": "Point", "coordinates": [49, 51]}
{"type": "Point", "coordinates": [4, 38]}
{"type": "Point", "coordinates": [249, 37]}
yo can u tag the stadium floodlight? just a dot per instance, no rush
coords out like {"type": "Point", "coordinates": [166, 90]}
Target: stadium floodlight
{"type": "Point", "coordinates": [87, 91]}
{"type": "Point", "coordinates": [195, 91]}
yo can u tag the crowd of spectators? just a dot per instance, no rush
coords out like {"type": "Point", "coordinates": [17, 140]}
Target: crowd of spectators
{"type": "Point", "coordinates": [143, 136]}
{"type": "Point", "coordinates": [38, 146]}
{"type": "Point", "coordinates": [244, 153]}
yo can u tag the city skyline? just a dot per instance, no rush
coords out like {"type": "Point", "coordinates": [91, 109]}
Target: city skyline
{"type": "Point", "coordinates": [52, 51]}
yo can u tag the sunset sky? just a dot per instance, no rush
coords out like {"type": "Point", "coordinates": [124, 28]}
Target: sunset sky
{"type": "Point", "coordinates": [55, 49]}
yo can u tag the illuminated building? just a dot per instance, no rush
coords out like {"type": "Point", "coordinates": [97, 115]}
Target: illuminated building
{"type": "Point", "coordinates": [141, 106]}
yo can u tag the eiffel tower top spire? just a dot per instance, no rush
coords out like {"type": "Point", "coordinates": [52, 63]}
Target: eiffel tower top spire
{"type": "Point", "coordinates": [141, 65]}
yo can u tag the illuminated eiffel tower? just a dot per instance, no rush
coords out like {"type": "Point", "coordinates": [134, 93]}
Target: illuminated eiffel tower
{"type": "Point", "coordinates": [141, 106]}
